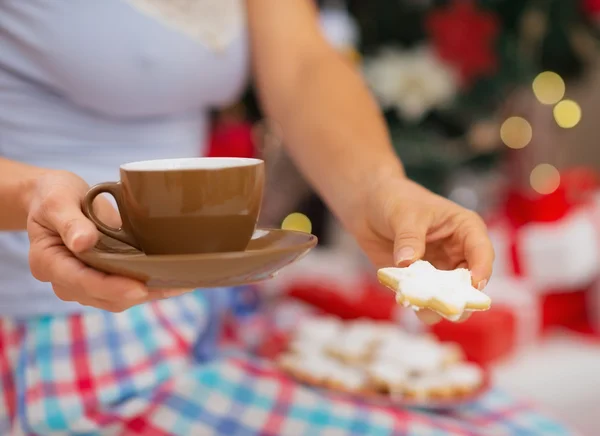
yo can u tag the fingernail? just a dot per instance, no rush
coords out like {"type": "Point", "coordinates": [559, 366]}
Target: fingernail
{"type": "Point", "coordinates": [404, 254]}
{"type": "Point", "coordinates": [73, 241]}
{"type": "Point", "coordinates": [482, 284]}
{"type": "Point", "coordinates": [136, 294]}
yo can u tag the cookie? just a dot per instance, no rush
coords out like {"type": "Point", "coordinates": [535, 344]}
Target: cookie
{"type": "Point", "coordinates": [422, 286]}
{"type": "Point", "coordinates": [416, 357]}
{"type": "Point", "coordinates": [313, 368]}
{"type": "Point", "coordinates": [387, 376]}
{"type": "Point", "coordinates": [427, 387]}
{"type": "Point", "coordinates": [356, 343]}
{"type": "Point", "coordinates": [320, 329]}
{"type": "Point", "coordinates": [464, 377]}
{"type": "Point", "coordinates": [347, 379]}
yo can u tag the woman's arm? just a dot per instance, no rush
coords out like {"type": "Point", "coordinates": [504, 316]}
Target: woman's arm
{"type": "Point", "coordinates": [333, 129]}
{"type": "Point", "coordinates": [17, 182]}
{"type": "Point", "coordinates": [332, 126]}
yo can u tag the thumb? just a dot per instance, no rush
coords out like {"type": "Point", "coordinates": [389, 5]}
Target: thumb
{"type": "Point", "coordinates": [65, 216]}
{"type": "Point", "coordinates": [409, 241]}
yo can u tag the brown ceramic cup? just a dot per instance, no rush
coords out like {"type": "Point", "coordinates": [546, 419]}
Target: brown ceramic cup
{"type": "Point", "coordinates": [184, 206]}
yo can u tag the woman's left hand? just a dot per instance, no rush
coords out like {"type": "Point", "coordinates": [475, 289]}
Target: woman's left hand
{"type": "Point", "coordinates": [402, 222]}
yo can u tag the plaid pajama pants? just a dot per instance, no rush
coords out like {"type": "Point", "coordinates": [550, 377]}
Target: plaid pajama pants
{"type": "Point", "coordinates": [153, 370]}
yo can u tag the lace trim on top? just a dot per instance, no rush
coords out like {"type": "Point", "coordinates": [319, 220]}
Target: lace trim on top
{"type": "Point", "coordinates": [214, 23]}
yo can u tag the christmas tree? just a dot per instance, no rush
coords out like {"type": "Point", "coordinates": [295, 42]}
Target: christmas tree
{"type": "Point", "coordinates": [444, 69]}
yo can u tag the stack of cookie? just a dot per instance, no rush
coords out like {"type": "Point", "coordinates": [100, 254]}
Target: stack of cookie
{"type": "Point", "coordinates": [368, 357]}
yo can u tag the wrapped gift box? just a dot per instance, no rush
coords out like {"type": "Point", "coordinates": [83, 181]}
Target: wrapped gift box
{"type": "Point", "coordinates": [513, 323]}
{"type": "Point", "coordinates": [485, 337]}
{"type": "Point", "coordinates": [552, 241]}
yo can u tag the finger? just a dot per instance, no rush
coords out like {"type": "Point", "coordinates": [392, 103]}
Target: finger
{"type": "Point", "coordinates": [464, 317]}
{"type": "Point", "coordinates": [68, 272]}
{"type": "Point", "coordinates": [409, 240]}
{"type": "Point", "coordinates": [429, 317]}
{"type": "Point", "coordinates": [61, 208]}
{"type": "Point", "coordinates": [106, 212]}
{"type": "Point", "coordinates": [479, 254]}
{"type": "Point", "coordinates": [163, 294]}
{"type": "Point", "coordinates": [77, 296]}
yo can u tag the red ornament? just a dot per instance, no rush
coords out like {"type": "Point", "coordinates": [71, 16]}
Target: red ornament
{"type": "Point", "coordinates": [232, 140]}
{"type": "Point", "coordinates": [464, 36]}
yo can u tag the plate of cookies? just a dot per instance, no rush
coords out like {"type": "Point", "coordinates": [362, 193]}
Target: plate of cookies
{"type": "Point", "coordinates": [378, 361]}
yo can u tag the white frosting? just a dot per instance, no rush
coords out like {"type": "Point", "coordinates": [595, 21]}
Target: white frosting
{"type": "Point", "coordinates": [464, 374]}
{"type": "Point", "coordinates": [422, 356]}
{"type": "Point", "coordinates": [415, 364]}
{"type": "Point", "coordinates": [355, 340]}
{"type": "Point", "coordinates": [388, 372]}
{"type": "Point", "coordinates": [422, 386]}
{"type": "Point", "coordinates": [350, 378]}
{"type": "Point", "coordinates": [320, 330]}
{"type": "Point", "coordinates": [305, 346]}
{"type": "Point", "coordinates": [422, 282]}
{"type": "Point", "coordinates": [316, 365]}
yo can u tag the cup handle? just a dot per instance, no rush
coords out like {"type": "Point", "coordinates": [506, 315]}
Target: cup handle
{"type": "Point", "coordinates": [114, 189]}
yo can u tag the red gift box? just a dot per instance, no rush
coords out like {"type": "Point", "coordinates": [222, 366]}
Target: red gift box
{"type": "Point", "coordinates": [512, 323]}
{"type": "Point", "coordinates": [552, 241]}
{"type": "Point", "coordinates": [374, 302]}
{"type": "Point", "coordinates": [485, 337]}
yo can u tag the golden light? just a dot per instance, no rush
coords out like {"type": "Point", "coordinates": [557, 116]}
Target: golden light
{"type": "Point", "coordinates": [516, 132]}
{"type": "Point", "coordinates": [544, 179]}
{"type": "Point", "coordinates": [567, 114]}
{"type": "Point", "coordinates": [549, 87]}
{"type": "Point", "coordinates": [298, 222]}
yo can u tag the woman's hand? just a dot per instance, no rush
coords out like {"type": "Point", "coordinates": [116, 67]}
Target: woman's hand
{"type": "Point", "coordinates": [57, 228]}
{"type": "Point", "coordinates": [402, 222]}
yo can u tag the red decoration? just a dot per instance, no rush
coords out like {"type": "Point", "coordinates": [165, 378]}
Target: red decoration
{"type": "Point", "coordinates": [485, 338]}
{"type": "Point", "coordinates": [232, 141]}
{"type": "Point", "coordinates": [464, 37]}
{"type": "Point", "coordinates": [375, 302]}
{"type": "Point", "coordinates": [525, 207]}
{"type": "Point", "coordinates": [592, 7]}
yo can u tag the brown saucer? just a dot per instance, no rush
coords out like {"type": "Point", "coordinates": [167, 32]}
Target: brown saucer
{"type": "Point", "coordinates": [269, 251]}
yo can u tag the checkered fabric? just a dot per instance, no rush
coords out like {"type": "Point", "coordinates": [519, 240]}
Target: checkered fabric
{"type": "Point", "coordinates": [147, 372]}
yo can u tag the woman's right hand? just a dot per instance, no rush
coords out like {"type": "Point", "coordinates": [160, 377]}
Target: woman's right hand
{"type": "Point", "coordinates": [57, 228]}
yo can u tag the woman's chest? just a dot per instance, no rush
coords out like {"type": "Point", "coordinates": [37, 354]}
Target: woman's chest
{"type": "Point", "coordinates": [131, 57]}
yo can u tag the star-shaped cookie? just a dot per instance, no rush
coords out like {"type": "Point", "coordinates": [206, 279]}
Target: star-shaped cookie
{"type": "Point", "coordinates": [422, 286]}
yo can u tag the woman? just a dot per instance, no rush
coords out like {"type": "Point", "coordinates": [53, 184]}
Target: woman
{"type": "Point", "coordinates": [87, 85]}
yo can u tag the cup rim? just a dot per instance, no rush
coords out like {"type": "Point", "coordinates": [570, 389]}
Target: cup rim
{"type": "Point", "coordinates": [190, 164]}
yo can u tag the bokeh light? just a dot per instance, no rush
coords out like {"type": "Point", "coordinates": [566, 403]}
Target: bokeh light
{"type": "Point", "coordinates": [544, 179]}
{"type": "Point", "coordinates": [516, 132]}
{"type": "Point", "coordinates": [567, 114]}
{"type": "Point", "coordinates": [298, 222]}
{"type": "Point", "coordinates": [549, 87]}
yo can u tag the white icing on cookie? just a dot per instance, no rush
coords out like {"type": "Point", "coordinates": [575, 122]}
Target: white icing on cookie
{"type": "Point", "coordinates": [421, 282]}
{"type": "Point", "coordinates": [319, 329]}
{"type": "Point", "coordinates": [464, 375]}
{"type": "Point", "coordinates": [304, 346]}
{"type": "Point", "coordinates": [390, 373]}
{"type": "Point", "coordinates": [426, 385]}
{"type": "Point", "coordinates": [417, 355]}
{"type": "Point", "coordinates": [317, 366]}
{"type": "Point", "coordinates": [355, 341]}
{"type": "Point", "coordinates": [348, 377]}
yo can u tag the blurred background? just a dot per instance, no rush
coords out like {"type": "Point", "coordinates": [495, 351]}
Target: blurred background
{"type": "Point", "coordinates": [494, 104]}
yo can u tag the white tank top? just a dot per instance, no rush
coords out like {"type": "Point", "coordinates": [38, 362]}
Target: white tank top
{"type": "Point", "coordinates": [86, 85]}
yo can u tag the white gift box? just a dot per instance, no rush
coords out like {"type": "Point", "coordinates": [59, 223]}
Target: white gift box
{"type": "Point", "coordinates": [560, 255]}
